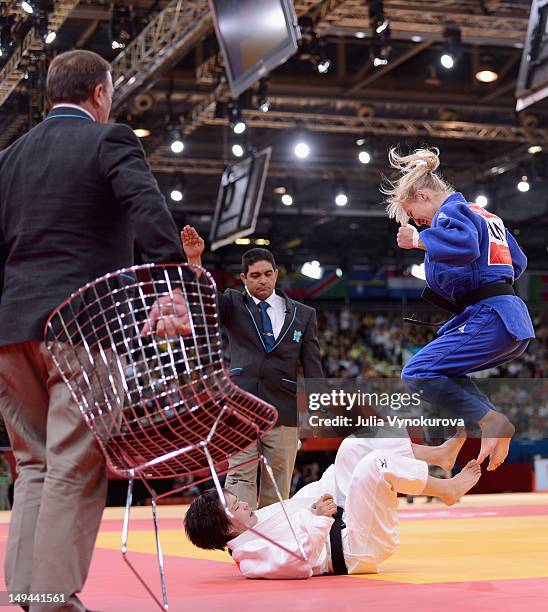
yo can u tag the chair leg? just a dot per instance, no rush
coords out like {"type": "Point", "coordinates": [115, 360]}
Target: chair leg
{"type": "Point", "coordinates": [302, 556]}
{"type": "Point", "coordinates": [125, 532]}
{"type": "Point", "coordinates": [159, 553]}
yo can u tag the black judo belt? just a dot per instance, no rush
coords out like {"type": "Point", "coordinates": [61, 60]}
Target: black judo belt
{"type": "Point", "coordinates": [335, 540]}
{"type": "Point", "coordinates": [458, 306]}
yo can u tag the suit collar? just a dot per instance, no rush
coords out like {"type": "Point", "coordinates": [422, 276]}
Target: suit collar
{"type": "Point", "coordinates": [71, 110]}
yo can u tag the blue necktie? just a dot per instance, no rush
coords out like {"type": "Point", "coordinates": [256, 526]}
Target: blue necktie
{"type": "Point", "coordinates": [268, 332]}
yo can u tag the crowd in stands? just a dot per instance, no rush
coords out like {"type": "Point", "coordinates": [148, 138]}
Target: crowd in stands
{"type": "Point", "coordinates": [363, 344]}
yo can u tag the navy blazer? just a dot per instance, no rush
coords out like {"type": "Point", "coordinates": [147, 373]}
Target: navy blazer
{"type": "Point", "coordinates": [74, 195]}
{"type": "Point", "coordinates": [270, 375]}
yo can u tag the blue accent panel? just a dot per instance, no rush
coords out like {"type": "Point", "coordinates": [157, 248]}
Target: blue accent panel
{"type": "Point", "coordinates": [288, 328]}
{"type": "Point", "coordinates": [71, 116]}
{"type": "Point", "coordinates": [256, 328]}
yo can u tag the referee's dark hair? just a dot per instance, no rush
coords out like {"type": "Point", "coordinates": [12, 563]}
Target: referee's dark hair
{"type": "Point", "coordinates": [254, 255]}
{"type": "Point", "coordinates": [72, 76]}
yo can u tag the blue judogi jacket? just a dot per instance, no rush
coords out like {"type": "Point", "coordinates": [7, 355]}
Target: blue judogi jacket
{"type": "Point", "coordinates": [468, 247]}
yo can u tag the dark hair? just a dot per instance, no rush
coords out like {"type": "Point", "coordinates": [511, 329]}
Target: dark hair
{"type": "Point", "coordinates": [72, 76]}
{"type": "Point", "coordinates": [206, 524]}
{"type": "Point", "coordinates": [254, 255]}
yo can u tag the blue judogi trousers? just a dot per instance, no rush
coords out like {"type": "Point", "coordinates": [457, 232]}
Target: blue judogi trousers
{"type": "Point", "coordinates": [439, 370]}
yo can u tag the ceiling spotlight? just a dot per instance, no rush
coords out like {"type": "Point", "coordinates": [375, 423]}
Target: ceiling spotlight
{"type": "Point", "coordinates": [364, 157]}
{"type": "Point", "coordinates": [177, 145]}
{"type": "Point", "coordinates": [360, 34]}
{"type": "Point", "coordinates": [341, 199]}
{"type": "Point", "coordinates": [50, 37]}
{"type": "Point", "coordinates": [364, 154]}
{"type": "Point", "coordinates": [487, 74]}
{"type": "Point", "coordinates": [302, 150]}
{"type": "Point", "coordinates": [121, 26]}
{"type": "Point", "coordinates": [534, 149]}
{"type": "Point", "coordinates": [28, 7]}
{"type": "Point", "coordinates": [239, 127]}
{"type": "Point", "coordinates": [142, 133]}
{"type": "Point", "coordinates": [312, 269]}
{"type": "Point", "coordinates": [238, 150]}
{"type": "Point", "coordinates": [176, 195]}
{"type": "Point", "coordinates": [482, 200]}
{"type": "Point", "coordinates": [287, 200]}
{"type": "Point", "coordinates": [380, 48]}
{"type": "Point", "coordinates": [416, 38]}
{"type": "Point", "coordinates": [523, 185]}
{"type": "Point", "coordinates": [453, 47]}
{"type": "Point", "coordinates": [262, 95]}
{"type": "Point", "coordinates": [447, 61]}
{"type": "Point", "coordinates": [323, 66]}
{"type": "Point", "coordinates": [339, 272]}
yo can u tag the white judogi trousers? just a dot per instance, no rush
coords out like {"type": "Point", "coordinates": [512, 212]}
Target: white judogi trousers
{"type": "Point", "coordinates": [365, 479]}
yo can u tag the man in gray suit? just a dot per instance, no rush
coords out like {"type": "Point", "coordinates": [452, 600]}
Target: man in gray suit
{"type": "Point", "coordinates": [75, 194]}
{"type": "Point", "coordinates": [269, 336]}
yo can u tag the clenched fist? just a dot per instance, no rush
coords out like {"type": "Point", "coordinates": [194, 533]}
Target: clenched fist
{"type": "Point", "coordinates": [408, 238]}
{"type": "Point", "coordinates": [326, 505]}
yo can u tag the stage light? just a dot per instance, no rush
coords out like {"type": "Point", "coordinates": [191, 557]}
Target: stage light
{"type": "Point", "coordinates": [482, 200]}
{"type": "Point", "coordinates": [141, 132]}
{"type": "Point", "coordinates": [287, 200]}
{"type": "Point", "coordinates": [364, 149]}
{"type": "Point", "coordinates": [177, 146]}
{"type": "Point", "coordinates": [447, 61]}
{"type": "Point", "coordinates": [341, 199]}
{"type": "Point", "coordinates": [50, 37]}
{"type": "Point", "coordinates": [360, 34]}
{"type": "Point", "coordinates": [534, 149]}
{"type": "Point", "coordinates": [523, 185]}
{"type": "Point", "coordinates": [380, 48]}
{"type": "Point", "coordinates": [28, 7]}
{"type": "Point", "coordinates": [262, 95]}
{"type": "Point", "coordinates": [487, 74]}
{"type": "Point", "coordinates": [453, 47]}
{"type": "Point", "coordinates": [339, 272]}
{"type": "Point", "coordinates": [237, 150]}
{"type": "Point", "coordinates": [302, 150]}
{"type": "Point", "coordinates": [312, 269]}
{"type": "Point", "coordinates": [176, 195]}
{"type": "Point", "coordinates": [323, 66]}
{"type": "Point", "coordinates": [239, 127]}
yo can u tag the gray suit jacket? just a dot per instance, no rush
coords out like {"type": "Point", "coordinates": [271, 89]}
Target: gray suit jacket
{"type": "Point", "coordinates": [272, 376]}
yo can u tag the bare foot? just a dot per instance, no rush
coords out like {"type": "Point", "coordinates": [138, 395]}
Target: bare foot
{"type": "Point", "coordinates": [462, 483]}
{"type": "Point", "coordinates": [450, 449]}
{"type": "Point", "coordinates": [498, 432]}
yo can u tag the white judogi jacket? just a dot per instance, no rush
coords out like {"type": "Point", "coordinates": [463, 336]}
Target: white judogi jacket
{"type": "Point", "coordinates": [258, 558]}
{"type": "Point", "coordinates": [368, 474]}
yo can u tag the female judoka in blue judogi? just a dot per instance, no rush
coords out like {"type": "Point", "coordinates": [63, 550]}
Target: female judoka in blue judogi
{"type": "Point", "coordinates": [471, 263]}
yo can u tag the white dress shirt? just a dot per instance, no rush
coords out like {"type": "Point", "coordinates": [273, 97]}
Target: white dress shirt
{"type": "Point", "coordinates": [67, 104]}
{"type": "Point", "coordinates": [276, 312]}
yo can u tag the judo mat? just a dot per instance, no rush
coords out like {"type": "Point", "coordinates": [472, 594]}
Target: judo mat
{"type": "Point", "coordinates": [489, 552]}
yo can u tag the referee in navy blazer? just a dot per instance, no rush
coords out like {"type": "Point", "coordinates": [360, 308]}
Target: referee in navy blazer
{"type": "Point", "coordinates": [75, 194]}
{"type": "Point", "coordinates": [269, 335]}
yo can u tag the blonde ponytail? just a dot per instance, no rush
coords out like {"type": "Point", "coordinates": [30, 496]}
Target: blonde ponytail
{"type": "Point", "coordinates": [417, 171]}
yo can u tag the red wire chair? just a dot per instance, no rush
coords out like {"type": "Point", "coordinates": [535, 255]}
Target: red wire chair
{"type": "Point", "coordinates": [158, 407]}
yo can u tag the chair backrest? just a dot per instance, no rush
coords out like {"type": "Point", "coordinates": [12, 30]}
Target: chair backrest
{"type": "Point", "coordinates": [152, 402]}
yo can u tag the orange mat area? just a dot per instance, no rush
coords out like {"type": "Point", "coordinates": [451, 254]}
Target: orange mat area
{"type": "Point", "coordinates": [488, 553]}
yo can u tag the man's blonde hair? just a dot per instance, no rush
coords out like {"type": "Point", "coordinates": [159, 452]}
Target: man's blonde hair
{"type": "Point", "coordinates": [417, 171]}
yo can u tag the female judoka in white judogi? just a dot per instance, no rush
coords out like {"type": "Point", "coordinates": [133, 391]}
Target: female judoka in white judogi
{"type": "Point", "coordinates": [364, 481]}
